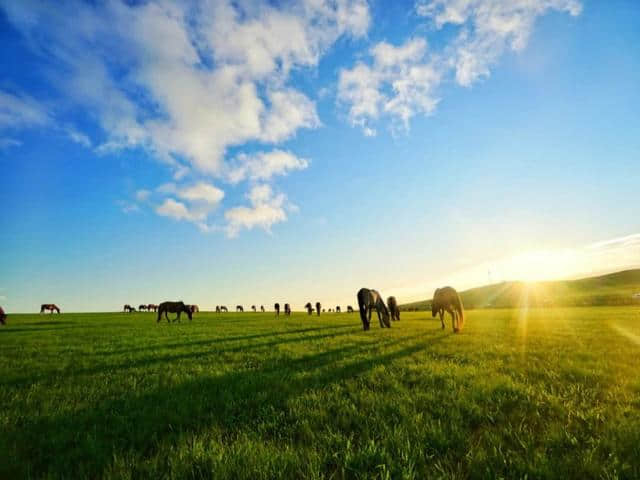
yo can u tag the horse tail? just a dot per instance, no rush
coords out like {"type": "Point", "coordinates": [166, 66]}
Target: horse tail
{"type": "Point", "coordinates": [460, 308]}
{"type": "Point", "coordinates": [362, 306]}
{"type": "Point", "coordinates": [159, 314]}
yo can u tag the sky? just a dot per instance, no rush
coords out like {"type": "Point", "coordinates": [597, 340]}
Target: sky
{"type": "Point", "coordinates": [247, 152]}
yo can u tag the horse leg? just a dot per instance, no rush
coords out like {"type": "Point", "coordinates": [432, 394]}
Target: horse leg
{"type": "Point", "coordinates": [441, 312]}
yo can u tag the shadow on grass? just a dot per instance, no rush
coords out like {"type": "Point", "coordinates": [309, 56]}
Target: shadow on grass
{"type": "Point", "coordinates": [84, 442]}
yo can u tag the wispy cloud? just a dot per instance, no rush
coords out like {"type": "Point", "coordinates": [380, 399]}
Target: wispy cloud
{"type": "Point", "coordinates": [266, 209]}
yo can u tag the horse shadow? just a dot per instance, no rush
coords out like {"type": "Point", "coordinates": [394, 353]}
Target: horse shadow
{"type": "Point", "coordinates": [146, 422]}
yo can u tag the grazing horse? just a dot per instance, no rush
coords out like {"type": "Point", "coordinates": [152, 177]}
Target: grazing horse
{"type": "Point", "coordinates": [194, 308]}
{"type": "Point", "coordinates": [152, 308]}
{"type": "Point", "coordinates": [309, 308]}
{"type": "Point", "coordinates": [368, 299]}
{"type": "Point", "coordinates": [253, 307]}
{"type": "Point", "coordinates": [337, 308]}
{"type": "Point", "coordinates": [349, 309]}
{"type": "Point", "coordinates": [217, 308]}
{"type": "Point", "coordinates": [128, 308]}
{"type": "Point", "coordinates": [287, 310]}
{"type": "Point", "coordinates": [262, 308]}
{"type": "Point", "coordinates": [318, 306]}
{"type": "Point", "coordinates": [239, 308]}
{"type": "Point", "coordinates": [173, 307]}
{"type": "Point", "coordinates": [392, 303]}
{"type": "Point", "coordinates": [3, 317]}
{"type": "Point", "coordinates": [142, 307]}
{"type": "Point", "coordinates": [446, 298]}
{"type": "Point", "coordinates": [49, 306]}
{"type": "Point", "coordinates": [224, 309]}
{"type": "Point", "coordinates": [276, 307]}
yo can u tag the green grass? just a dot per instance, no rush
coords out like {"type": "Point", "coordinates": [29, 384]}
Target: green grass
{"type": "Point", "coordinates": [605, 290]}
{"type": "Point", "coordinates": [545, 394]}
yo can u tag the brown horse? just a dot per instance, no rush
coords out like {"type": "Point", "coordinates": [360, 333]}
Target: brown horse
{"type": "Point", "coordinates": [262, 308]}
{"type": "Point", "coordinates": [287, 310]}
{"type": "Point", "coordinates": [239, 308]}
{"type": "Point", "coordinates": [349, 309]}
{"type": "Point", "coordinates": [128, 308]}
{"type": "Point", "coordinates": [368, 300]}
{"type": "Point", "coordinates": [309, 308]}
{"type": "Point", "coordinates": [49, 306]}
{"type": "Point", "coordinates": [276, 307]}
{"type": "Point", "coordinates": [3, 317]}
{"type": "Point", "coordinates": [447, 299]}
{"type": "Point", "coordinates": [173, 307]}
{"type": "Point", "coordinates": [152, 308]}
{"type": "Point", "coordinates": [318, 307]}
{"type": "Point", "coordinates": [392, 303]}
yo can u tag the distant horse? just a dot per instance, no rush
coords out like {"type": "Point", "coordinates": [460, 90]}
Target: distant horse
{"type": "Point", "coordinates": [142, 307]}
{"type": "Point", "coordinates": [49, 306]}
{"type": "Point", "coordinates": [152, 308]}
{"type": "Point", "coordinates": [3, 317]}
{"type": "Point", "coordinates": [323, 310]}
{"type": "Point", "coordinates": [368, 300]}
{"type": "Point", "coordinates": [239, 308]}
{"type": "Point", "coordinates": [447, 298]}
{"type": "Point", "coordinates": [262, 308]}
{"type": "Point", "coordinates": [309, 308]}
{"type": "Point", "coordinates": [287, 309]}
{"type": "Point", "coordinates": [392, 303]}
{"type": "Point", "coordinates": [337, 308]}
{"type": "Point", "coordinates": [318, 306]}
{"type": "Point", "coordinates": [217, 308]}
{"type": "Point", "coordinates": [194, 308]}
{"type": "Point", "coordinates": [276, 307]}
{"type": "Point", "coordinates": [253, 307]}
{"type": "Point", "coordinates": [349, 309]}
{"type": "Point", "coordinates": [224, 309]}
{"type": "Point", "coordinates": [128, 308]}
{"type": "Point", "coordinates": [173, 307]}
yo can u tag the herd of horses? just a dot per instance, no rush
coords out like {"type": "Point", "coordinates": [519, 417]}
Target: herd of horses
{"type": "Point", "coordinates": [445, 300]}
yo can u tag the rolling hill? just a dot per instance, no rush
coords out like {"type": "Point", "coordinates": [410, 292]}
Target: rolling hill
{"type": "Point", "coordinates": [611, 289]}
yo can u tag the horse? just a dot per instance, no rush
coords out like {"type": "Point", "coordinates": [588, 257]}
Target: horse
{"type": "Point", "coordinates": [309, 308]}
{"type": "Point", "coordinates": [49, 306]}
{"type": "Point", "coordinates": [276, 307]}
{"type": "Point", "coordinates": [142, 307]}
{"type": "Point", "coordinates": [337, 308]}
{"type": "Point", "coordinates": [217, 308]}
{"type": "Point", "coordinates": [262, 308]}
{"type": "Point", "coordinates": [446, 298]}
{"type": "Point", "coordinates": [173, 307]}
{"type": "Point", "coordinates": [3, 317]}
{"type": "Point", "coordinates": [287, 310]}
{"type": "Point", "coordinates": [239, 308]}
{"type": "Point", "coordinates": [194, 308]}
{"type": "Point", "coordinates": [368, 299]}
{"type": "Point", "coordinates": [224, 309]}
{"type": "Point", "coordinates": [318, 308]}
{"type": "Point", "coordinates": [253, 307]}
{"type": "Point", "coordinates": [152, 308]}
{"type": "Point", "coordinates": [128, 308]}
{"type": "Point", "coordinates": [349, 309]}
{"type": "Point", "coordinates": [392, 303]}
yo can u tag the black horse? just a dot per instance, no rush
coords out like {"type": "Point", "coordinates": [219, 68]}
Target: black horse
{"type": "Point", "coordinates": [337, 308]}
{"type": "Point", "coordinates": [309, 308]}
{"type": "Point", "coordinates": [224, 309]}
{"type": "Point", "coordinates": [318, 307]}
{"type": "Point", "coordinates": [392, 303]}
{"type": "Point", "coordinates": [276, 307]}
{"type": "Point", "coordinates": [173, 307]}
{"type": "Point", "coordinates": [3, 317]}
{"type": "Point", "coordinates": [262, 308]}
{"type": "Point", "coordinates": [239, 308]}
{"type": "Point", "coordinates": [128, 308]}
{"type": "Point", "coordinates": [287, 309]}
{"type": "Point", "coordinates": [349, 309]}
{"type": "Point", "coordinates": [369, 299]}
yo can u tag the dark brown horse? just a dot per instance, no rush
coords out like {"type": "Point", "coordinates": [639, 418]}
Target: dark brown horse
{"type": "Point", "coordinates": [253, 307]}
{"type": "Point", "coordinates": [142, 307]}
{"type": "Point", "coordinates": [49, 306]}
{"type": "Point", "coordinates": [309, 308]}
{"type": "Point", "coordinates": [239, 308]}
{"type": "Point", "coordinates": [262, 308]}
{"type": "Point", "coordinates": [224, 309]}
{"type": "Point", "coordinates": [173, 307]}
{"type": "Point", "coordinates": [447, 299]}
{"type": "Point", "coordinates": [368, 300]}
{"type": "Point", "coordinates": [392, 303]}
{"type": "Point", "coordinates": [128, 308]}
{"type": "Point", "coordinates": [217, 308]}
{"type": "Point", "coordinates": [287, 309]}
{"type": "Point", "coordinates": [276, 307]}
{"type": "Point", "coordinates": [152, 308]}
{"type": "Point", "coordinates": [318, 307]}
{"type": "Point", "coordinates": [337, 308]}
{"type": "Point", "coordinates": [3, 317]}
{"type": "Point", "coordinates": [349, 309]}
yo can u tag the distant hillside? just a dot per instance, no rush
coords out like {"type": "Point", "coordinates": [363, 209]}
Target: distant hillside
{"type": "Point", "coordinates": [612, 289]}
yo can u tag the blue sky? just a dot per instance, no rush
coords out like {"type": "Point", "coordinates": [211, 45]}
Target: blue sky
{"type": "Point", "coordinates": [249, 152]}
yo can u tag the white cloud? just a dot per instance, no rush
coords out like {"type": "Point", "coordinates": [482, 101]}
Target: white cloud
{"type": "Point", "coordinates": [7, 142]}
{"type": "Point", "coordinates": [265, 210]}
{"type": "Point", "coordinates": [400, 82]}
{"type": "Point", "coordinates": [78, 137]}
{"type": "Point", "coordinates": [143, 195]}
{"type": "Point", "coordinates": [264, 165]}
{"type": "Point", "coordinates": [202, 192]}
{"type": "Point", "coordinates": [21, 111]}
{"type": "Point", "coordinates": [179, 211]}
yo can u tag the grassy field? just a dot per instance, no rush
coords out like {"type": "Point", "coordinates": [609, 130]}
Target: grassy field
{"type": "Point", "coordinates": [613, 289]}
{"type": "Point", "coordinates": [539, 393]}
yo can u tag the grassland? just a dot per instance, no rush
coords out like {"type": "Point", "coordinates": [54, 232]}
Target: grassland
{"type": "Point", "coordinates": [543, 393]}
{"type": "Point", "coordinates": [612, 289]}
